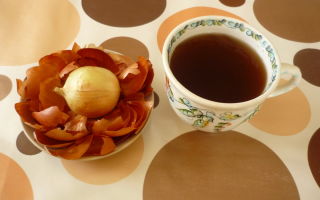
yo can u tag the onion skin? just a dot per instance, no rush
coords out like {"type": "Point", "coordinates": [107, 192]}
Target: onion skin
{"type": "Point", "coordinates": [91, 91]}
{"type": "Point", "coordinates": [88, 129]}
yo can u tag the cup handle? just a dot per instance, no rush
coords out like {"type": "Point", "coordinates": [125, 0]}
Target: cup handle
{"type": "Point", "coordinates": [295, 77]}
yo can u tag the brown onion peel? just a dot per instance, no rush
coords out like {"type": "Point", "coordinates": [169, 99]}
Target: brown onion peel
{"type": "Point", "coordinates": [67, 134]}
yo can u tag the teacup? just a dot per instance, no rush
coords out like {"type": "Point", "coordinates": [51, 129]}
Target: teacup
{"type": "Point", "coordinates": [211, 116]}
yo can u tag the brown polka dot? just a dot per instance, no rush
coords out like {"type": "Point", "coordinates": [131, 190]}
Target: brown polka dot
{"type": "Point", "coordinates": [31, 29]}
{"type": "Point", "coordinates": [309, 63]}
{"type": "Point", "coordinates": [287, 114]}
{"type": "Point", "coordinates": [127, 46]}
{"type": "Point", "coordinates": [313, 156]}
{"type": "Point", "coordinates": [25, 146]}
{"type": "Point", "coordinates": [14, 183]}
{"type": "Point", "coordinates": [107, 170]}
{"type": "Point", "coordinates": [181, 16]}
{"type": "Point", "coordinates": [291, 19]}
{"type": "Point", "coordinates": [5, 86]}
{"type": "Point", "coordinates": [123, 13]}
{"type": "Point", "coordinates": [233, 3]}
{"type": "Point", "coordinates": [29, 134]}
{"type": "Point", "coordinates": [156, 100]}
{"type": "Point", "coordinates": [199, 165]}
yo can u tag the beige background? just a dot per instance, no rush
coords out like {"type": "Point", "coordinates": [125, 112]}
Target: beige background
{"type": "Point", "coordinates": [50, 179]}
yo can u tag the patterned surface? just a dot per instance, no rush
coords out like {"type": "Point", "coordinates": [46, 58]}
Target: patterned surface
{"type": "Point", "coordinates": [290, 19]}
{"type": "Point", "coordinates": [268, 158]}
{"type": "Point", "coordinates": [5, 86]}
{"type": "Point", "coordinates": [107, 171]}
{"type": "Point", "coordinates": [127, 46]}
{"type": "Point", "coordinates": [123, 13]}
{"type": "Point", "coordinates": [198, 162]}
{"type": "Point", "coordinates": [25, 146]}
{"type": "Point", "coordinates": [233, 3]}
{"type": "Point", "coordinates": [277, 116]}
{"type": "Point", "coordinates": [14, 183]}
{"type": "Point", "coordinates": [313, 152]}
{"type": "Point", "coordinates": [31, 29]}
{"type": "Point", "coordinates": [309, 62]}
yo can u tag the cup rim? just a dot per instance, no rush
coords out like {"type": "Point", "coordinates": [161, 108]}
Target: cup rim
{"type": "Point", "coordinates": [205, 102]}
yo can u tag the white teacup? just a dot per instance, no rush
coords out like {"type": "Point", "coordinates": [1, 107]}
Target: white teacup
{"type": "Point", "coordinates": [213, 116]}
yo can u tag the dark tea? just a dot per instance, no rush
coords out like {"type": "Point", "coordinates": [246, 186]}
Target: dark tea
{"type": "Point", "coordinates": [218, 67]}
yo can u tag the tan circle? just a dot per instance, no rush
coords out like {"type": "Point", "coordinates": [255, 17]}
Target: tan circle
{"type": "Point", "coordinates": [233, 3]}
{"type": "Point", "coordinates": [127, 46]}
{"type": "Point", "coordinates": [5, 86]}
{"type": "Point", "coordinates": [25, 146]}
{"type": "Point", "coordinates": [290, 19]}
{"type": "Point", "coordinates": [199, 165]}
{"type": "Point", "coordinates": [184, 15]}
{"type": "Point", "coordinates": [123, 13]}
{"type": "Point", "coordinates": [30, 29]}
{"type": "Point", "coordinates": [107, 170]}
{"type": "Point", "coordinates": [287, 114]}
{"type": "Point", "coordinates": [14, 183]}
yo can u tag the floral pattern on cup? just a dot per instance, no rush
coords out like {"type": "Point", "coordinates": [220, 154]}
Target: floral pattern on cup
{"type": "Point", "coordinates": [232, 25]}
{"type": "Point", "coordinates": [221, 125]}
{"type": "Point", "coordinates": [201, 118]}
{"type": "Point", "coordinates": [228, 116]}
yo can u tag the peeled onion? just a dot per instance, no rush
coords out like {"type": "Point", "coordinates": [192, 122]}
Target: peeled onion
{"type": "Point", "coordinates": [91, 91]}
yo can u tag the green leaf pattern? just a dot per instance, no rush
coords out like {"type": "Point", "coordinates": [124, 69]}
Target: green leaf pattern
{"type": "Point", "coordinates": [200, 117]}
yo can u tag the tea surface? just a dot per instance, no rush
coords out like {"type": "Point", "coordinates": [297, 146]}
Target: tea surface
{"type": "Point", "coordinates": [219, 68]}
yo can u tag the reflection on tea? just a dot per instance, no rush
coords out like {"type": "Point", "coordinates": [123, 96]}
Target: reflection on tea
{"type": "Point", "coordinates": [218, 67]}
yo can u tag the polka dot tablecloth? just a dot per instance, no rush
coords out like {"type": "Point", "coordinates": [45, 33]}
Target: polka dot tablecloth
{"type": "Point", "coordinates": [276, 155]}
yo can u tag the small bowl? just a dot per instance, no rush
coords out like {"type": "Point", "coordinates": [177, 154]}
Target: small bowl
{"type": "Point", "coordinates": [120, 145]}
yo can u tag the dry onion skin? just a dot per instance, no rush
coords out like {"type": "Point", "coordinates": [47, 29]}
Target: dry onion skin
{"type": "Point", "coordinates": [82, 102]}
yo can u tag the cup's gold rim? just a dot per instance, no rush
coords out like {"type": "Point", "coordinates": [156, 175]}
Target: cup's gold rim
{"type": "Point", "coordinates": [205, 102]}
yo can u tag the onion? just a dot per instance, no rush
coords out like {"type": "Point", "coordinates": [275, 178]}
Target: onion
{"type": "Point", "coordinates": [91, 91]}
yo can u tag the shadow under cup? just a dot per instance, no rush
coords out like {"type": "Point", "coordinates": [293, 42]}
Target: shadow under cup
{"type": "Point", "coordinates": [209, 115]}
